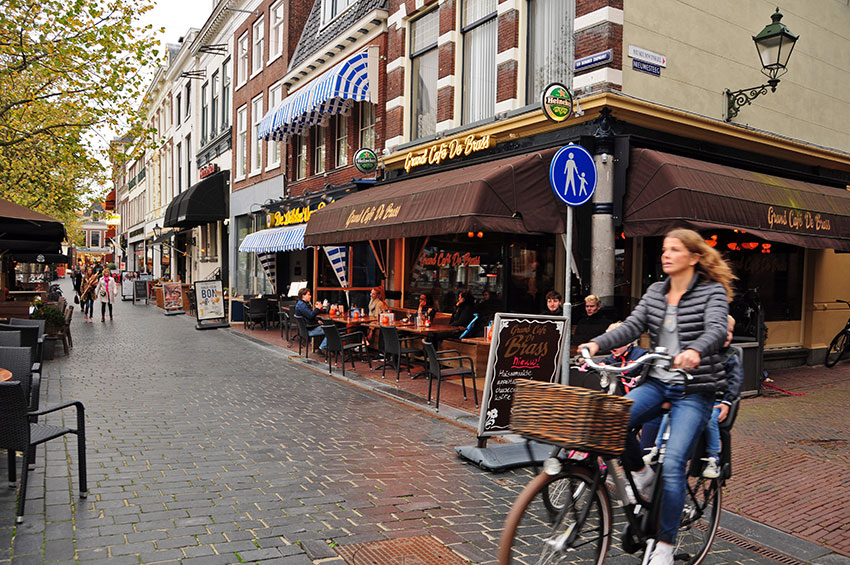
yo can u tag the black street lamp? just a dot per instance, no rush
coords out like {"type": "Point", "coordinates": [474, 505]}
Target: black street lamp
{"type": "Point", "coordinates": [774, 44]}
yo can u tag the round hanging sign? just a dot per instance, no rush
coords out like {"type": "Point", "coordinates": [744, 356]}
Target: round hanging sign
{"type": "Point", "coordinates": [366, 161]}
{"type": "Point", "coordinates": [557, 102]}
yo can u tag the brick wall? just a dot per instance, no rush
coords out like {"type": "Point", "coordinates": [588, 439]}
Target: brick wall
{"type": "Point", "coordinates": [600, 37]}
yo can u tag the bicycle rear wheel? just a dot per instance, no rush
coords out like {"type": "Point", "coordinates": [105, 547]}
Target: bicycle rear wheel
{"type": "Point", "coordinates": [837, 347]}
{"type": "Point", "coordinates": [700, 520]}
{"type": "Point", "coordinates": [533, 534]}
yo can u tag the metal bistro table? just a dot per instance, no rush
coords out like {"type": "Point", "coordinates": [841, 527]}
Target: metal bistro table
{"type": "Point", "coordinates": [435, 333]}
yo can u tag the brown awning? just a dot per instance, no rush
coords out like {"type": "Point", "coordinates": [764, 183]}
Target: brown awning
{"type": "Point", "coordinates": [666, 191]}
{"type": "Point", "coordinates": [511, 195]}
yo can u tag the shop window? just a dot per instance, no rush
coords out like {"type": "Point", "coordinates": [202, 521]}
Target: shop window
{"type": "Point", "coordinates": [423, 54]}
{"type": "Point", "coordinates": [250, 277]}
{"type": "Point", "coordinates": [550, 48]}
{"type": "Point", "coordinates": [479, 30]}
{"type": "Point", "coordinates": [209, 242]}
{"type": "Point", "coordinates": [532, 273]}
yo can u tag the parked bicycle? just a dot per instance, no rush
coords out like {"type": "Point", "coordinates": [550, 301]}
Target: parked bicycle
{"type": "Point", "coordinates": [565, 513]}
{"type": "Point", "coordinates": [839, 344]}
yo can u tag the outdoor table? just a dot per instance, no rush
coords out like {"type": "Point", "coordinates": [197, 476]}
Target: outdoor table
{"type": "Point", "coordinates": [347, 321]}
{"type": "Point", "coordinates": [5, 375]}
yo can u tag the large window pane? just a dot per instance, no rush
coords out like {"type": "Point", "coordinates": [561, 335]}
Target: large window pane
{"type": "Point", "coordinates": [424, 33]}
{"type": "Point", "coordinates": [479, 59]}
{"type": "Point", "coordinates": [550, 48]}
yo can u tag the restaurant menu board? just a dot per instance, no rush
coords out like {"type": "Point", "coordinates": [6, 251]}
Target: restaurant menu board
{"type": "Point", "coordinates": [210, 298]}
{"type": "Point", "coordinates": [172, 296]}
{"type": "Point", "coordinates": [126, 286]}
{"type": "Point", "coordinates": [140, 290]}
{"type": "Point", "coordinates": [524, 346]}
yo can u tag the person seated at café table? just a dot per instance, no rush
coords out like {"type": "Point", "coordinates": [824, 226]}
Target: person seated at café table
{"type": "Point", "coordinates": [425, 309]}
{"type": "Point", "coordinates": [554, 304]}
{"type": "Point", "coordinates": [377, 304]}
{"type": "Point", "coordinates": [304, 308]}
{"type": "Point", "coordinates": [464, 310]}
{"type": "Point", "coordinates": [593, 323]}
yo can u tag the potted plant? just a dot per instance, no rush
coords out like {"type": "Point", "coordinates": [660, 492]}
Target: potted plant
{"type": "Point", "coordinates": [54, 323]}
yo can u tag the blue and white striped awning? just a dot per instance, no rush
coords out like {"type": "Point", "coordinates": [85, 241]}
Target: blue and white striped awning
{"type": "Point", "coordinates": [286, 238]}
{"type": "Point", "coordinates": [333, 92]}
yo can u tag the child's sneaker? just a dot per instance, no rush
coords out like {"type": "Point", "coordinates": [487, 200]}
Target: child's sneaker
{"type": "Point", "coordinates": [711, 470]}
{"type": "Point", "coordinates": [651, 457]}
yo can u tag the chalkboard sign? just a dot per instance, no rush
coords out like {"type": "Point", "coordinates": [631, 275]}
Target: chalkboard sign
{"type": "Point", "coordinates": [523, 347]}
{"type": "Point", "coordinates": [140, 290]}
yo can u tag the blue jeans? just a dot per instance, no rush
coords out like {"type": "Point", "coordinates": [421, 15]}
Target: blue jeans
{"type": "Point", "coordinates": [316, 332]}
{"type": "Point", "coordinates": [688, 417]}
{"type": "Point", "coordinates": [712, 436]}
{"type": "Point", "coordinates": [88, 307]}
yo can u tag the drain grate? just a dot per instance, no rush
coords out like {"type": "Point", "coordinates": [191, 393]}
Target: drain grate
{"type": "Point", "coordinates": [744, 543]}
{"type": "Point", "coordinates": [418, 550]}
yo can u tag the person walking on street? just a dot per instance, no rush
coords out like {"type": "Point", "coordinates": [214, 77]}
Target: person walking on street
{"type": "Point", "coordinates": [106, 291]}
{"type": "Point", "coordinates": [88, 285]}
{"type": "Point", "coordinates": [687, 314]}
{"type": "Point", "coordinates": [77, 280]}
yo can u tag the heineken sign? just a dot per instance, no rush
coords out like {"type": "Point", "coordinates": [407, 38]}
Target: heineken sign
{"type": "Point", "coordinates": [366, 161]}
{"type": "Point", "coordinates": [557, 102]}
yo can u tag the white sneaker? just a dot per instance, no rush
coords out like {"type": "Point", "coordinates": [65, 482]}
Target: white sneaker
{"type": "Point", "coordinates": [661, 555]}
{"type": "Point", "coordinates": [643, 481]}
{"type": "Point", "coordinates": [651, 457]}
{"type": "Point", "coordinates": [711, 470]}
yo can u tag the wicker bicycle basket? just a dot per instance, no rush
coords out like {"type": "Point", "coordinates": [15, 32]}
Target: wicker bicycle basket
{"type": "Point", "coordinates": [571, 417]}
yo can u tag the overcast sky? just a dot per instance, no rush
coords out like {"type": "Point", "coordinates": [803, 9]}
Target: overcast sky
{"type": "Point", "coordinates": [177, 16]}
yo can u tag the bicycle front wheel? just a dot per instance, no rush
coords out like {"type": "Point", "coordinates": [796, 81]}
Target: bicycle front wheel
{"type": "Point", "coordinates": [534, 534]}
{"type": "Point", "coordinates": [700, 520]}
{"type": "Point", "coordinates": [836, 349]}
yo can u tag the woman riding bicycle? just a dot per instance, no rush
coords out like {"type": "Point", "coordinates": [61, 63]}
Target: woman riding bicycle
{"type": "Point", "coordinates": [686, 313]}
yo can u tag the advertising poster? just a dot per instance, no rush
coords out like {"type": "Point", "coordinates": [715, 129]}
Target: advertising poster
{"type": "Point", "coordinates": [523, 347]}
{"type": "Point", "coordinates": [172, 296]}
{"type": "Point", "coordinates": [210, 298]}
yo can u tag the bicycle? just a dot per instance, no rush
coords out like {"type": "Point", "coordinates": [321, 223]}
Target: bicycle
{"type": "Point", "coordinates": [839, 344]}
{"type": "Point", "coordinates": [573, 520]}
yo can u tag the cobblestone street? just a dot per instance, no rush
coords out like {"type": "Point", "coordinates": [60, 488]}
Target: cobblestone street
{"type": "Point", "coordinates": [204, 447]}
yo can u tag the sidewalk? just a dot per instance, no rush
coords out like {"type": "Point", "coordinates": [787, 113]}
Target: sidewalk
{"type": "Point", "coordinates": [791, 461]}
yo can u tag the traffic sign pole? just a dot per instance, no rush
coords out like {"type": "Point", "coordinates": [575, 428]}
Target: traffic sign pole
{"type": "Point", "coordinates": [568, 307]}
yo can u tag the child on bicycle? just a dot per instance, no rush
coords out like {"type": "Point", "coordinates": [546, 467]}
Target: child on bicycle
{"type": "Point", "coordinates": [624, 355]}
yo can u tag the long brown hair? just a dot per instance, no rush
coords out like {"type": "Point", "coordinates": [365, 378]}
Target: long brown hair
{"type": "Point", "coordinates": [711, 263]}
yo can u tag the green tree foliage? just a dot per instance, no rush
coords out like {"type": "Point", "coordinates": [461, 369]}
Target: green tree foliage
{"type": "Point", "coordinates": [67, 69]}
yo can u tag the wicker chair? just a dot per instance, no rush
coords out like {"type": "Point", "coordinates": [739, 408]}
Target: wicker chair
{"type": "Point", "coordinates": [257, 312]}
{"type": "Point", "coordinates": [29, 338]}
{"type": "Point", "coordinates": [436, 370]}
{"type": "Point", "coordinates": [303, 335]}
{"type": "Point", "coordinates": [344, 343]}
{"type": "Point", "coordinates": [18, 432]}
{"type": "Point", "coordinates": [395, 349]}
{"type": "Point", "coordinates": [285, 322]}
{"type": "Point", "coordinates": [10, 339]}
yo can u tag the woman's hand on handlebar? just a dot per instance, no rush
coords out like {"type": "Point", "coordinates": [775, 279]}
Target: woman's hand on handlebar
{"type": "Point", "coordinates": [592, 347]}
{"type": "Point", "coordinates": [687, 360]}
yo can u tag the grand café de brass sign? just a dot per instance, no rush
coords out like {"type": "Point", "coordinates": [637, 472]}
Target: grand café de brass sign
{"type": "Point", "coordinates": [797, 220]}
{"type": "Point", "coordinates": [447, 150]}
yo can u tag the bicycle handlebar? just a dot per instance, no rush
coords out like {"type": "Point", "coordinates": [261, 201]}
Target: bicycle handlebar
{"type": "Point", "coordinates": [646, 357]}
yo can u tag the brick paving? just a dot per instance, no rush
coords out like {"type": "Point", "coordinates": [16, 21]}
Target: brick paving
{"type": "Point", "coordinates": [206, 448]}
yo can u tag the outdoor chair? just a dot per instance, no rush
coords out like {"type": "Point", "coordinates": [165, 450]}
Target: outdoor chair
{"type": "Point", "coordinates": [285, 322]}
{"type": "Point", "coordinates": [10, 339]}
{"type": "Point", "coordinates": [19, 432]}
{"type": "Point", "coordinates": [436, 370]}
{"type": "Point", "coordinates": [340, 344]}
{"type": "Point", "coordinates": [396, 348]}
{"type": "Point", "coordinates": [65, 334]}
{"type": "Point", "coordinates": [17, 361]}
{"type": "Point", "coordinates": [26, 322]}
{"type": "Point", "coordinates": [257, 312]}
{"type": "Point", "coordinates": [303, 335]}
{"type": "Point", "coordinates": [29, 338]}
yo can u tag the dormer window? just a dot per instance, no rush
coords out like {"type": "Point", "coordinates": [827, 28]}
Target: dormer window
{"type": "Point", "coordinates": [333, 8]}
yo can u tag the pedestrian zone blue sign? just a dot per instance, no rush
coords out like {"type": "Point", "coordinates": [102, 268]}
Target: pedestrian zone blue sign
{"type": "Point", "coordinates": [572, 174]}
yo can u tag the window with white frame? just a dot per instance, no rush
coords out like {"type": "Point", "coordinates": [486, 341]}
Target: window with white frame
{"type": "Point", "coordinates": [550, 46]}
{"type": "Point", "coordinates": [275, 96]}
{"type": "Point", "coordinates": [319, 149]}
{"type": "Point", "coordinates": [300, 157]}
{"type": "Point", "coordinates": [94, 238]}
{"type": "Point", "coordinates": [205, 113]}
{"type": "Point", "coordinates": [188, 99]}
{"type": "Point", "coordinates": [479, 29]}
{"type": "Point", "coordinates": [178, 108]}
{"type": "Point", "coordinates": [188, 160]}
{"type": "Point", "coordinates": [258, 50]}
{"type": "Point", "coordinates": [425, 72]}
{"type": "Point", "coordinates": [333, 8]}
{"type": "Point", "coordinates": [341, 145]}
{"type": "Point", "coordinates": [242, 57]}
{"type": "Point", "coordinates": [179, 159]}
{"type": "Point", "coordinates": [215, 93]}
{"type": "Point", "coordinates": [241, 141]}
{"type": "Point", "coordinates": [276, 31]}
{"type": "Point", "coordinates": [256, 144]}
{"type": "Point", "coordinates": [225, 94]}
{"type": "Point", "coordinates": [367, 125]}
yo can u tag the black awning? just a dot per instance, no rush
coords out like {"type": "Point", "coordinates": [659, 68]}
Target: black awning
{"type": "Point", "coordinates": [205, 202]}
{"type": "Point", "coordinates": [20, 223]}
{"type": "Point", "coordinates": [163, 237]}
{"type": "Point", "coordinates": [29, 245]}
{"type": "Point", "coordinates": [39, 257]}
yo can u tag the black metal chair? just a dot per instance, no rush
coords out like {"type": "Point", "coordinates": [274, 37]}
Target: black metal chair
{"type": "Point", "coordinates": [29, 338]}
{"type": "Point", "coordinates": [10, 339]}
{"type": "Point", "coordinates": [284, 317]}
{"type": "Point", "coordinates": [436, 370]}
{"type": "Point", "coordinates": [341, 343]}
{"type": "Point", "coordinates": [396, 348]}
{"type": "Point", "coordinates": [257, 312]}
{"type": "Point", "coordinates": [18, 432]}
{"type": "Point", "coordinates": [303, 335]}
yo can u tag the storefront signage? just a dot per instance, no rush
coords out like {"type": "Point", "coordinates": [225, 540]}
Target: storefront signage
{"type": "Point", "coordinates": [372, 214]}
{"type": "Point", "coordinates": [797, 220]}
{"type": "Point", "coordinates": [523, 347]}
{"type": "Point", "coordinates": [594, 60]}
{"type": "Point", "coordinates": [572, 174]}
{"type": "Point", "coordinates": [557, 102]}
{"type": "Point", "coordinates": [647, 56]}
{"type": "Point", "coordinates": [444, 259]}
{"type": "Point", "coordinates": [645, 67]}
{"type": "Point", "coordinates": [210, 300]}
{"type": "Point", "coordinates": [207, 170]}
{"type": "Point", "coordinates": [292, 216]}
{"type": "Point", "coordinates": [447, 150]}
{"type": "Point", "coordinates": [365, 161]}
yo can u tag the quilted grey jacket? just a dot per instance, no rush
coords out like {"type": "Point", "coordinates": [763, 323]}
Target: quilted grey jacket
{"type": "Point", "coordinates": [702, 326]}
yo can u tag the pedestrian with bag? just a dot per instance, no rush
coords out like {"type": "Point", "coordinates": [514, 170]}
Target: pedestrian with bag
{"type": "Point", "coordinates": [88, 285]}
{"type": "Point", "coordinates": [77, 279]}
{"type": "Point", "coordinates": [107, 290]}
